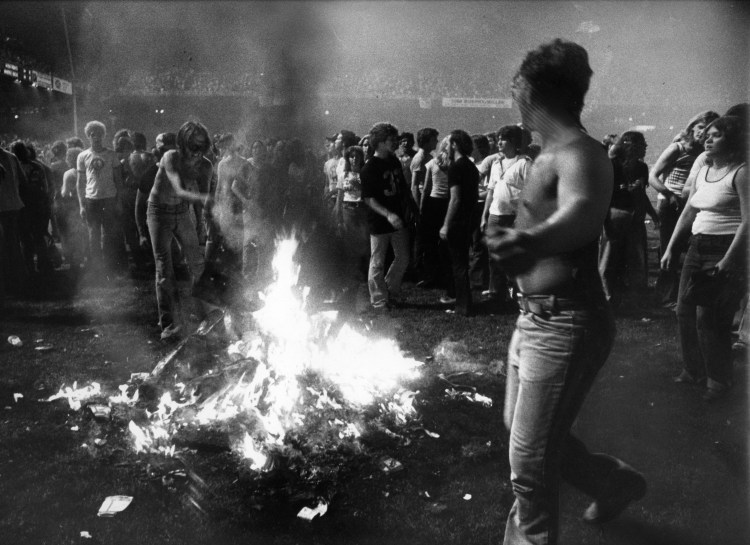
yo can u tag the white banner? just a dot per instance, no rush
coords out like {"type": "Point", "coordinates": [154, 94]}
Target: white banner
{"type": "Point", "coordinates": [465, 102]}
{"type": "Point", "coordinates": [42, 79]}
{"type": "Point", "coordinates": [64, 86]}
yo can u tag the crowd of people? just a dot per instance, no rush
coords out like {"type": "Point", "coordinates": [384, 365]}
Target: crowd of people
{"type": "Point", "coordinates": [554, 230]}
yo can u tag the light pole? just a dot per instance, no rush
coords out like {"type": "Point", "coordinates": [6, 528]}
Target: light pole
{"type": "Point", "coordinates": [72, 73]}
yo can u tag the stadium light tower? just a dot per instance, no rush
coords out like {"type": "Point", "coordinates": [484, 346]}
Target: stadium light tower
{"type": "Point", "coordinates": [72, 72]}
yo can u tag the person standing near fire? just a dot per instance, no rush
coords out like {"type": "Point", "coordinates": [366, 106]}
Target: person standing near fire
{"type": "Point", "coordinates": [565, 329]}
{"type": "Point", "coordinates": [168, 218]}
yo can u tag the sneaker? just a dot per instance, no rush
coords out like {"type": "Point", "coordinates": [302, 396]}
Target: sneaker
{"type": "Point", "coordinates": [627, 486]}
{"type": "Point", "coordinates": [685, 378]}
{"type": "Point", "coordinates": [447, 300]}
{"type": "Point", "coordinates": [170, 332]}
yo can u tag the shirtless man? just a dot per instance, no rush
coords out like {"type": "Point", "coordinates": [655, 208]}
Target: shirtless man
{"type": "Point", "coordinates": [565, 329]}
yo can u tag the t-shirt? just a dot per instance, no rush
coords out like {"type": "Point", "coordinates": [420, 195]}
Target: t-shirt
{"type": "Point", "coordinates": [464, 173]}
{"type": "Point", "coordinates": [718, 203]}
{"type": "Point", "coordinates": [507, 190]}
{"type": "Point", "coordinates": [439, 185]}
{"type": "Point", "coordinates": [383, 181]}
{"type": "Point", "coordinates": [417, 167]}
{"type": "Point", "coordinates": [98, 169]}
{"type": "Point", "coordinates": [329, 168]}
{"type": "Point", "coordinates": [351, 185]}
{"type": "Point", "coordinates": [504, 196]}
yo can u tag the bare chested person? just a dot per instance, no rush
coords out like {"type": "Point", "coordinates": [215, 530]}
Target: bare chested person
{"type": "Point", "coordinates": [565, 329]}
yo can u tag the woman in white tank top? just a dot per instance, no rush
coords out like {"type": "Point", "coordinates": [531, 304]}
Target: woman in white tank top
{"type": "Point", "coordinates": [713, 276]}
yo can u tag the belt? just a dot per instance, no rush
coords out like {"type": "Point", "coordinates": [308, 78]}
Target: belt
{"type": "Point", "coordinates": [546, 305]}
{"type": "Point", "coordinates": [353, 204]}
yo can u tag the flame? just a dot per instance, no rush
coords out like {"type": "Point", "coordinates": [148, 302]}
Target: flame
{"type": "Point", "coordinates": [296, 367]}
{"type": "Point", "coordinates": [76, 395]}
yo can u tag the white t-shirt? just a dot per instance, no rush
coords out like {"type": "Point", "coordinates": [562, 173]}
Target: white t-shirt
{"type": "Point", "coordinates": [98, 169]}
{"type": "Point", "coordinates": [718, 203]}
{"type": "Point", "coordinates": [507, 179]}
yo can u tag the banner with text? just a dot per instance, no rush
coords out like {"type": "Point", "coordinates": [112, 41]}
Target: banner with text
{"type": "Point", "coordinates": [459, 102]}
{"type": "Point", "coordinates": [64, 86]}
{"type": "Point", "coordinates": [42, 79]}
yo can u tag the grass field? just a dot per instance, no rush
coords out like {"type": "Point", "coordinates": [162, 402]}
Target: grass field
{"type": "Point", "coordinates": [694, 455]}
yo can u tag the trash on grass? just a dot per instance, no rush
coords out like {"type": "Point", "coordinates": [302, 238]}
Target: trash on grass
{"type": "Point", "coordinates": [75, 395]}
{"type": "Point", "coordinates": [474, 397]}
{"type": "Point", "coordinates": [16, 397]}
{"type": "Point", "coordinates": [467, 497]}
{"type": "Point", "coordinates": [113, 505]}
{"type": "Point", "coordinates": [73, 428]}
{"type": "Point", "coordinates": [390, 465]}
{"type": "Point", "coordinates": [85, 534]}
{"type": "Point", "coordinates": [307, 513]}
{"type": "Point", "coordinates": [431, 433]}
{"type": "Point", "coordinates": [15, 340]}
{"type": "Point", "coordinates": [100, 411]}
{"type": "Point", "coordinates": [44, 348]}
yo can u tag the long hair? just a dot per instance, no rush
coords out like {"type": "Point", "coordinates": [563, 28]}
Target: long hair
{"type": "Point", "coordinates": [442, 156]}
{"type": "Point", "coordinates": [686, 135]}
{"type": "Point", "coordinates": [734, 131]}
{"type": "Point", "coordinates": [187, 135]}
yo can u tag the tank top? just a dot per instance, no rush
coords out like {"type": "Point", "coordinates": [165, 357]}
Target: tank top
{"type": "Point", "coordinates": [718, 204]}
{"type": "Point", "coordinates": [680, 170]}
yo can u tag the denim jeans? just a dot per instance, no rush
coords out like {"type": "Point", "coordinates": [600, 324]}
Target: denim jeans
{"type": "Point", "coordinates": [165, 223]}
{"type": "Point", "coordinates": [455, 253]}
{"type": "Point", "coordinates": [613, 253]}
{"type": "Point", "coordinates": [552, 361]}
{"type": "Point", "coordinates": [434, 271]}
{"type": "Point", "coordinates": [479, 258]}
{"type": "Point", "coordinates": [706, 332]}
{"type": "Point", "coordinates": [668, 280]}
{"type": "Point", "coordinates": [498, 282]}
{"type": "Point", "coordinates": [105, 235]}
{"type": "Point", "coordinates": [384, 285]}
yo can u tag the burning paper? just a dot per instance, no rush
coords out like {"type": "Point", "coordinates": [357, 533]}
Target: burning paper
{"type": "Point", "coordinates": [113, 505]}
{"type": "Point", "coordinates": [76, 395]}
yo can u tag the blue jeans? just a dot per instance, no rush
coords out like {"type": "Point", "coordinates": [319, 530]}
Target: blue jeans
{"type": "Point", "coordinates": [706, 332]}
{"type": "Point", "coordinates": [105, 234]}
{"type": "Point", "coordinates": [553, 359]}
{"type": "Point", "coordinates": [384, 285]}
{"type": "Point", "coordinates": [166, 222]}
{"type": "Point", "coordinates": [498, 280]}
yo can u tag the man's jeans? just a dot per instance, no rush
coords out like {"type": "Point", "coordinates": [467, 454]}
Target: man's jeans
{"type": "Point", "coordinates": [166, 222]}
{"type": "Point", "coordinates": [706, 331]}
{"type": "Point", "coordinates": [552, 361]}
{"type": "Point", "coordinates": [104, 231]}
{"type": "Point", "coordinates": [668, 280]}
{"type": "Point", "coordinates": [382, 286]}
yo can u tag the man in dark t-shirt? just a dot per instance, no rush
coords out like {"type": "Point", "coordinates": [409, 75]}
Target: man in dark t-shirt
{"type": "Point", "coordinates": [455, 234]}
{"type": "Point", "coordinates": [386, 194]}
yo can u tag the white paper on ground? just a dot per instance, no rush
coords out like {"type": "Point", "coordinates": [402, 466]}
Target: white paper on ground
{"type": "Point", "coordinates": [113, 505]}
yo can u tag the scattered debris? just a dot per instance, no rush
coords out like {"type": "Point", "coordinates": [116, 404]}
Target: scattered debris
{"type": "Point", "coordinates": [101, 411]}
{"type": "Point", "coordinates": [113, 505]}
{"type": "Point", "coordinates": [467, 497]}
{"type": "Point", "coordinates": [16, 397]}
{"type": "Point", "coordinates": [44, 348]}
{"type": "Point", "coordinates": [431, 433]}
{"type": "Point", "coordinates": [76, 395]}
{"type": "Point", "coordinates": [390, 465]}
{"type": "Point", "coordinates": [85, 534]}
{"type": "Point", "coordinates": [74, 428]}
{"type": "Point", "coordinates": [474, 397]}
{"type": "Point", "coordinates": [15, 340]}
{"type": "Point", "coordinates": [306, 513]}
{"type": "Point", "coordinates": [436, 508]}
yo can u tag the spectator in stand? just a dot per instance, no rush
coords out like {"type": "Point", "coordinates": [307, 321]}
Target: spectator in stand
{"type": "Point", "coordinates": [479, 270]}
{"type": "Point", "coordinates": [384, 191]}
{"type": "Point", "coordinates": [432, 210]}
{"type": "Point", "coordinates": [351, 214]}
{"type": "Point", "coordinates": [629, 150]}
{"type": "Point", "coordinates": [427, 139]}
{"type": "Point", "coordinates": [501, 204]}
{"type": "Point", "coordinates": [668, 177]}
{"type": "Point", "coordinates": [168, 219]}
{"type": "Point", "coordinates": [58, 166]}
{"type": "Point", "coordinates": [12, 267]}
{"type": "Point", "coordinates": [405, 153]}
{"type": "Point", "coordinates": [75, 142]}
{"type": "Point", "coordinates": [138, 162]}
{"type": "Point", "coordinates": [714, 275]}
{"type": "Point", "coordinates": [73, 235]}
{"type": "Point", "coordinates": [330, 192]}
{"type": "Point", "coordinates": [98, 183]}
{"type": "Point", "coordinates": [35, 216]}
{"type": "Point", "coordinates": [262, 215]}
{"type": "Point", "coordinates": [463, 183]}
